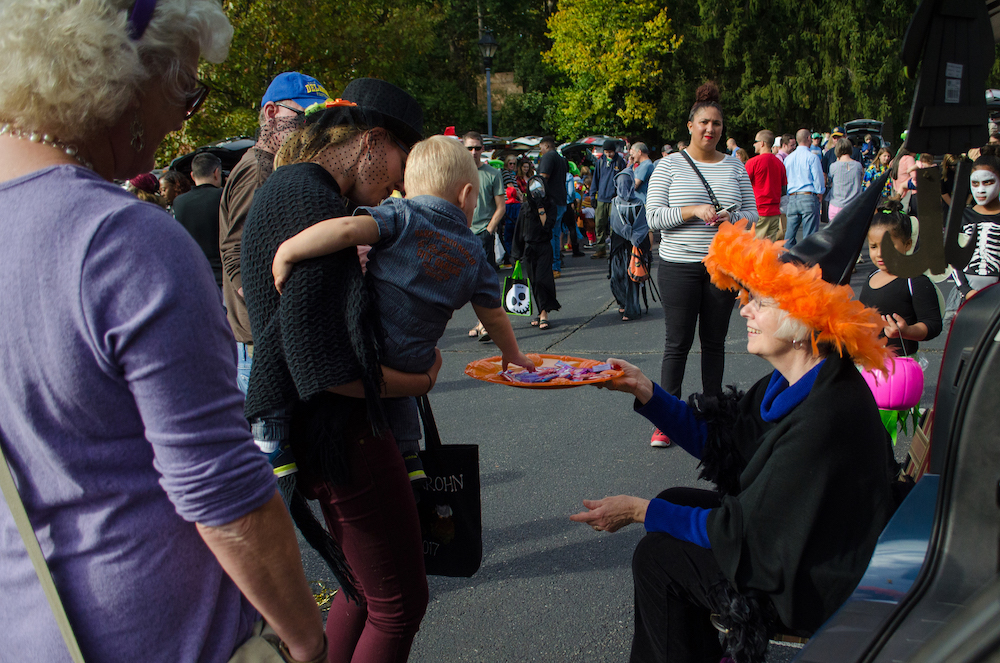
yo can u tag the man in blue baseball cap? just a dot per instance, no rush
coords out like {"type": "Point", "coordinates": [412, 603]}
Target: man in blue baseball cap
{"type": "Point", "coordinates": [288, 95]}
{"type": "Point", "coordinates": [281, 112]}
{"type": "Point", "coordinates": [292, 86]}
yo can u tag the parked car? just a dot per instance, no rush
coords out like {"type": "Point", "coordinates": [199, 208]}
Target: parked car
{"type": "Point", "coordinates": [587, 150]}
{"type": "Point", "coordinates": [993, 105]}
{"type": "Point", "coordinates": [856, 130]}
{"type": "Point", "coordinates": [229, 151]}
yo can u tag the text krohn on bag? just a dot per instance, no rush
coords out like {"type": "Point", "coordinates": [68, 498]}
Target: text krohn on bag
{"type": "Point", "coordinates": [450, 507]}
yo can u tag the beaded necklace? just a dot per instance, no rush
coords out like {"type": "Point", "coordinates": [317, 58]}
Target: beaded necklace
{"type": "Point", "coordinates": [45, 139]}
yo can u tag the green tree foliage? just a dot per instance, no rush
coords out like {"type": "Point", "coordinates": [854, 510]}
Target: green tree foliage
{"type": "Point", "coordinates": [788, 64]}
{"type": "Point", "coordinates": [427, 47]}
{"type": "Point", "coordinates": [524, 114]}
{"type": "Point", "coordinates": [519, 28]}
{"type": "Point", "coordinates": [612, 56]}
{"type": "Point", "coordinates": [781, 64]}
{"type": "Point", "coordinates": [333, 40]}
{"type": "Point", "coordinates": [585, 66]}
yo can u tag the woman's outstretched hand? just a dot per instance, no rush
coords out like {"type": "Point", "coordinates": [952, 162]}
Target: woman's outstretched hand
{"type": "Point", "coordinates": [612, 513]}
{"type": "Point", "coordinates": [633, 381]}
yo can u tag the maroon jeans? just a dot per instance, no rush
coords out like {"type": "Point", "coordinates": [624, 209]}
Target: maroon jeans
{"type": "Point", "coordinates": [374, 518]}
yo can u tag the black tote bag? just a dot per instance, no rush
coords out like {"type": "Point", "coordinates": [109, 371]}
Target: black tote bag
{"type": "Point", "coordinates": [450, 508]}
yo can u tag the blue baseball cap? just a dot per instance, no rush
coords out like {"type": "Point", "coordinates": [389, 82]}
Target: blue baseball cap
{"type": "Point", "coordinates": [303, 90]}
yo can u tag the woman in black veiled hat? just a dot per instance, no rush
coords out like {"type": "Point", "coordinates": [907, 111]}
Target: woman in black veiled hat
{"type": "Point", "coordinates": [317, 361]}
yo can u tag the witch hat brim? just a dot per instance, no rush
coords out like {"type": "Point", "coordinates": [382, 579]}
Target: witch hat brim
{"type": "Point", "coordinates": [836, 248]}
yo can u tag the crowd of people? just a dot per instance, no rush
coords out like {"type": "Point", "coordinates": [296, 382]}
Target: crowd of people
{"type": "Point", "coordinates": [320, 276]}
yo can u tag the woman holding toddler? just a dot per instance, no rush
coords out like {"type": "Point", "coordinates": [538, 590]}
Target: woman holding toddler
{"type": "Point", "coordinates": [345, 353]}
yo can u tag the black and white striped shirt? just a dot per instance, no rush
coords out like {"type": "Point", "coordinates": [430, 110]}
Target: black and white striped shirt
{"type": "Point", "coordinates": [674, 185]}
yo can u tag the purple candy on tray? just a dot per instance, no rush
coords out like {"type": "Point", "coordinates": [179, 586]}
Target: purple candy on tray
{"type": "Point", "coordinates": [561, 369]}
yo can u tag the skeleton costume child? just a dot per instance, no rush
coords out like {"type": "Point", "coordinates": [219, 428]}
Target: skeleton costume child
{"type": "Point", "coordinates": [983, 229]}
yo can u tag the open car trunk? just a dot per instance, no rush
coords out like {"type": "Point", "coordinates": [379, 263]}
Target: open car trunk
{"type": "Point", "coordinates": [952, 611]}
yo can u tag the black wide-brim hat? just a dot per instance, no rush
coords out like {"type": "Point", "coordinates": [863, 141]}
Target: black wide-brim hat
{"type": "Point", "coordinates": [371, 103]}
{"type": "Point", "coordinates": [400, 113]}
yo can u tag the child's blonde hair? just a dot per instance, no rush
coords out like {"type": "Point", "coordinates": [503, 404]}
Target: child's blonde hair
{"type": "Point", "coordinates": [437, 166]}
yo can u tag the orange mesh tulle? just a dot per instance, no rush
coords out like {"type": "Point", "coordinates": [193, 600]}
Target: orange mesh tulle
{"type": "Point", "coordinates": [737, 260]}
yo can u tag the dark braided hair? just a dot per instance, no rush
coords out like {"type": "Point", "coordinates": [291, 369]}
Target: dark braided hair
{"type": "Point", "coordinates": [707, 95]}
{"type": "Point", "coordinates": [989, 158]}
{"type": "Point", "coordinates": [889, 214]}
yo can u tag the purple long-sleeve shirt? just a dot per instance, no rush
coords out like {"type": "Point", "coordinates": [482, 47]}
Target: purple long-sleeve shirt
{"type": "Point", "coordinates": [123, 426]}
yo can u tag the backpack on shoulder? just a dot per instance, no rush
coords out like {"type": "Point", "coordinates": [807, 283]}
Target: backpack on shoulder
{"type": "Point", "coordinates": [638, 265]}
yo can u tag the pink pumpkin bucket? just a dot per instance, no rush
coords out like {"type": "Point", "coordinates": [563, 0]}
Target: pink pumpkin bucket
{"type": "Point", "coordinates": [903, 388]}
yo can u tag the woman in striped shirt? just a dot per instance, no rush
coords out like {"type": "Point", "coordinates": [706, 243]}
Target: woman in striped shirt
{"type": "Point", "coordinates": [678, 204]}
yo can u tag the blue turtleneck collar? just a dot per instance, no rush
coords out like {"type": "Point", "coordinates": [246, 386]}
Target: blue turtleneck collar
{"type": "Point", "coordinates": [780, 399]}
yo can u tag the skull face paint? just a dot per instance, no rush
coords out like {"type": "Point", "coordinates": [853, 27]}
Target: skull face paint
{"type": "Point", "coordinates": [518, 299]}
{"type": "Point", "coordinates": [984, 185]}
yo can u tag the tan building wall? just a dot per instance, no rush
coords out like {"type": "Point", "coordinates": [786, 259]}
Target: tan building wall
{"type": "Point", "coordinates": [501, 84]}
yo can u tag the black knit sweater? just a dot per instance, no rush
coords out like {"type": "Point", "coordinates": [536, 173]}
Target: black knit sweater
{"type": "Point", "coordinates": [324, 330]}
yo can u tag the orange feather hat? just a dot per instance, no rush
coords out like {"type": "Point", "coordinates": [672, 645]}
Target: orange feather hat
{"type": "Point", "coordinates": [737, 260]}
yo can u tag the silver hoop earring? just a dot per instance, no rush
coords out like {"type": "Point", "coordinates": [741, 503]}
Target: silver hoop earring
{"type": "Point", "coordinates": [137, 131]}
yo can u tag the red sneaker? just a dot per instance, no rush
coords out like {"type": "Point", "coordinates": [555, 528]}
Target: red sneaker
{"type": "Point", "coordinates": [659, 439]}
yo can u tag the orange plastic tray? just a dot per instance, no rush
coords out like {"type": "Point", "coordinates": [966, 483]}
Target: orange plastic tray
{"type": "Point", "coordinates": [488, 370]}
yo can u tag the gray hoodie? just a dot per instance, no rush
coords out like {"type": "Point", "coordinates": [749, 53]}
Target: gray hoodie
{"type": "Point", "coordinates": [628, 214]}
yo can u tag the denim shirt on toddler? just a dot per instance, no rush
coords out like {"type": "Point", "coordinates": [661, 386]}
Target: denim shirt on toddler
{"type": "Point", "coordinates": [426, 264]}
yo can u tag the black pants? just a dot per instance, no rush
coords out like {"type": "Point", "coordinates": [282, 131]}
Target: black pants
{"type": "Point", "coordinates": [538, 268]}
{"type": "Point", "coordinates": [689, 298]}
{"type": "Point", "coordinates": [672, 581]}
{"type": "Point", "coordinates": [489, 241]}
{"type": "Point", "coordinates": [569, 221]}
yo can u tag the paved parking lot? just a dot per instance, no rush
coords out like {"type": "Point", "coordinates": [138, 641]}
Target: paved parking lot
{"type": "Point", "coordinates": [550, 589]}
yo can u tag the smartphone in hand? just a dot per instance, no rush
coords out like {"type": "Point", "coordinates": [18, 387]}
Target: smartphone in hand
{"type": "Point", "coordinates": [728, 209]}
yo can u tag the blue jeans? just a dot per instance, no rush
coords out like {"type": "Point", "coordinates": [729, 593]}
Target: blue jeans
{"type": "Point", "coordinates": [244, 360]}
{"type": "Point", "coordinates": [557, 229]}
{"type": "Point", "coordinates": [802, 211]}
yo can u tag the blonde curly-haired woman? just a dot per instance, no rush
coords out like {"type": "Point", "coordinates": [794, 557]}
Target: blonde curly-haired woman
{"type": "Point", "coordinates": [119, 412]}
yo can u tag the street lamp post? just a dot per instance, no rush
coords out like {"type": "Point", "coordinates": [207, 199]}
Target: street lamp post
{"type": "Point", "coordinates": [488, 48]}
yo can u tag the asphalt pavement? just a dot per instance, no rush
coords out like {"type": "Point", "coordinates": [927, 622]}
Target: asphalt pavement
{"type": "Point", "coordinates": [550, 589]}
